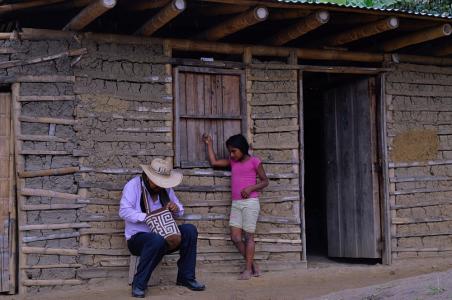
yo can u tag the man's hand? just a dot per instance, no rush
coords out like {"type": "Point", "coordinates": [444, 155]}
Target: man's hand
{"type": "Point", "coordinates": [245, 193]}
{"type": "Point", "coordinates": [172, 207]}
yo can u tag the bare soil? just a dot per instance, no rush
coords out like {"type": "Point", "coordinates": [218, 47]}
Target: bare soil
{"type": "Point", "coordinates": [427, 278]}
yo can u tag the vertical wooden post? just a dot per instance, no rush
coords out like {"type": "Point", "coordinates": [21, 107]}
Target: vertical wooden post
{"type": "Point", "coordinates": [12, 207]}
{"type": "Point", "coordinates": [302, 166]}
{"type": "Point", "coordinates": [169, 87]}
{"type": "Point", "coordinates": [20, 183]}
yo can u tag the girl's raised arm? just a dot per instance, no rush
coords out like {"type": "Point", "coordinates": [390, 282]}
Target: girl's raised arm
{"type": "Point", "coordinates": [214, 162]}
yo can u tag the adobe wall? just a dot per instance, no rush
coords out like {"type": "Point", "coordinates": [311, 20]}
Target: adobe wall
{"type": "Point", "coordinates": [419, 129]}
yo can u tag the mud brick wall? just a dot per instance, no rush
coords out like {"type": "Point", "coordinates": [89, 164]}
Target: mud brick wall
{"type": "Point", "coordinates": [47, 140]}
{"type": "Point", "coordinates": [419, 129]}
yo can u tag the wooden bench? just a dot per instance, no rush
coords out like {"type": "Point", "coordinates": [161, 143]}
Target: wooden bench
{"type": "Point", "coordinates": [155, 277]}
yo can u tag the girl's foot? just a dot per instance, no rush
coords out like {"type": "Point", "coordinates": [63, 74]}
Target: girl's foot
{"type": "Point", "coordinates": [245, 275]}
{"type": "Point", "coordinates": [256, 270]}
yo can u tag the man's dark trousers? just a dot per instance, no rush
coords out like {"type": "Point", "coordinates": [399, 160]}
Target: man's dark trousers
{"type": "Point", "coordinates": [151, 248]}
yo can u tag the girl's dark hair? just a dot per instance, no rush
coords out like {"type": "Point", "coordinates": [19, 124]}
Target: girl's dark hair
{"type": "Point", "coordinates": [238, 141]}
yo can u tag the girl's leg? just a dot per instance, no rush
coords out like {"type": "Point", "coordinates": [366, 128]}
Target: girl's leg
{"type": "Point", "coordinates": [249, 256]}
{"type": "Point", "coordinates": [236, 237]}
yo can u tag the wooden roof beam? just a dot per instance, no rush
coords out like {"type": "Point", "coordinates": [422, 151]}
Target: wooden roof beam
{"type": "Point", "coordinates": [288, 14]}
{"type": "Point", "coordinates": [309, 23]}
{"type": "Point", "coordinates": [89, 14]}
{"type": "Point", "coordinates": [363, 31]}
{"type": "Point", "coordinates": [235, 24]}
{"type": "Point", "coordinates": [165, 15]}
{"type": "Point", "coordinates": [418, 37]}
{"type": "Point", "coordinates": [19, 6]}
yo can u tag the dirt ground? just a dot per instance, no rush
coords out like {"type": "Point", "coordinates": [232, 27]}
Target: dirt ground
{"type": "Point", "coordinates": [326, 280]}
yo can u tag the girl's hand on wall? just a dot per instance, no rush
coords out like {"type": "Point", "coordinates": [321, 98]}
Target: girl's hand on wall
{"type": "Point", "coordinates": [207, 139]}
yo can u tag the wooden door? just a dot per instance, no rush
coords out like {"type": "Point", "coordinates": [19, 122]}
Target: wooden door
{"type": "Point", "coordinates": [352, 193]}
{"type": "Point", "coordinates": [6, 194]}
{"type": "Point", "coordinates": [207, 101]}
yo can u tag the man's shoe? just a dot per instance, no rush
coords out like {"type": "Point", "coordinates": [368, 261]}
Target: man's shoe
{"type": "Point", "coordinates": [192, 284]}
{"type": "Point", "coordinates": [137, 293]}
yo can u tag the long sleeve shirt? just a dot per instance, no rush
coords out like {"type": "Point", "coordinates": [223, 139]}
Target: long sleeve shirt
{"type": "Point", "coordinates": [130, 209]}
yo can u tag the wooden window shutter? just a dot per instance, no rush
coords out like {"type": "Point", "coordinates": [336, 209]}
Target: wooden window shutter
{"type": "Point", "coordinates": [211, 101]}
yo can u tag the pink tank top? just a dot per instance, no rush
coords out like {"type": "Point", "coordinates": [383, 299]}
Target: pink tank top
{"type": "Point", "coordinates": [243, 174]}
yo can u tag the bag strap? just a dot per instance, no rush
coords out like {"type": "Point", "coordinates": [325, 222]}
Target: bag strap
{"type": "Point", "coordinates": [144, 198]}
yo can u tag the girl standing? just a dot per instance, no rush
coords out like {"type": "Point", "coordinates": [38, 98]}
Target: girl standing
{"type": "Point", "coordinates": [245, 203]}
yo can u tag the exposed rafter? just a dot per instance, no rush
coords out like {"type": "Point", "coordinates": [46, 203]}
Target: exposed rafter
{"type": "Point", "coordinates": [288, 14]}
{"type": "Point", "coordinates": [222, 9]}
{"type": "Point", "coordinates": [235, 24]}
{"type": "Point", "coordinates": [169, 12]}
{"type": "Point", "coordinates": [89, 14]}
{"type": "Point", "coordinates": [363, 31]}
{"type": "Point", "coordinates": [309, 23]}
{"type": "Point", "coordinates": [19, 6]}
{"type": "Point", "coordinates": [418, 37]}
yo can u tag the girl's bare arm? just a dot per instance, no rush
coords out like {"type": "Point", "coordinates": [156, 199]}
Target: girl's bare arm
{"type": "Point", "coordinates": [214, 162]}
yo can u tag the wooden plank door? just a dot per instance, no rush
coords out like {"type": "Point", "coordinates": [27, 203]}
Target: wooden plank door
{"type": "Point", "coordinates": [207, 101]}
{"type": "Point", "coordinates": [6, 182]}
{"type": "Point", "coordinates": [352, 192]}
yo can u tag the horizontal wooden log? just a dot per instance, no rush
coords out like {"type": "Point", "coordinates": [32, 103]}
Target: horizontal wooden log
{"type": "Point", "coordinates": [42, 138]}
{"type": "Point", "coordinates": [405, 235]}
{"type": "Point", "coordinates": [89, 14]}
{"type": "Point", "coordinates": [143, 117]}
{"type": "Point", "coordinates": [46, 98]}
{"type": "Point", "coordinates": [417, 191]}
{"type": "Point", "coordinates": [144, 129]}
{"type": "Point", "coordinates": [37, 79]}
{"type": "Point", "coordinates": [51, 282]}
{"type": "Point", "coordinates": [420, 164]}
{"type": "Point", "coordinates": [35, 60]}
{"type": "Point", "coordinates": [49, 251]}
{"type": "Point", "coordinates": [399, 221]}
{"type": "Point", "coordinates": [53, 226]}
{"type": "Point", "coordinates": [99, 217]}
{"type": "Point", "coordinates": [130, 138]}
{"type": "Point", "coordinates": [101, 231]}
{"type": "Point", "coordinates": [343, 69]}
{"type": "Point", "coordinates": [276, 129]}
{"type": "Point", "coordinates": [419, 178]}
{"type": "Point", "coordinates": [263, 240]}
{"type": "Point", "coordinates": [43, 152]}
{"type": "Point", "coordinates": [103, 272]}
{"type": "Point", "coordinates": [55, 206]}
{"type": "Point", "coordinates": [56, 236]}
{"type": "Point", "coordinates": [219, 188]}
{"type": "Point", "coordinates": [269, 116]}
{"type": "Point", "coordinates": [110, 252]}
{"type": "Point", "coordinates": [60, 121]}
{"type": "Point", "coordinates": [48, 172]}
{"type": "Point", "coordinates": [47, 193]}
{"type": "Point", "coordinates": [442, 249]}
{"type": "Point", "coordinates": [53, 266]}
{"type": "Point", "coordinates": [425, 204]}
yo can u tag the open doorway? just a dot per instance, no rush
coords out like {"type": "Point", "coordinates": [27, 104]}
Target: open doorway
{"type": "Point", "coordinates": [342, 201]}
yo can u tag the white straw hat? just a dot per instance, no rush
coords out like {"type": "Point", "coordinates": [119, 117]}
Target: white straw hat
{"type": "Point", "coordinates": [161, 173]}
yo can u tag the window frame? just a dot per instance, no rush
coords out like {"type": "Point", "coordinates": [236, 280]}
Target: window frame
{"type": "Point", "coordinates": [177, 116]}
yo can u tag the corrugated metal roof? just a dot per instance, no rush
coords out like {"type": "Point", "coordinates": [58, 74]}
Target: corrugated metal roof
{"type": "Point", "coordinates": [444, 15]}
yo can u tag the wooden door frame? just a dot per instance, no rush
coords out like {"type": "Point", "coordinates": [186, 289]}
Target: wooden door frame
{"type": "Point", "coordinates": [205, 70]}
{"type": "Point", "coordinates": [381, 149]}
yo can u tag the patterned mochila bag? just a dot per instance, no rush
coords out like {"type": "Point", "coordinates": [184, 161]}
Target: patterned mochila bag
{"type": "Point", "coordinates": [161, 221]}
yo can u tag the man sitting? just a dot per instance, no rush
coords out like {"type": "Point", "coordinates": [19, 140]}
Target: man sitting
{"type": "Point", "coordinates": [157, 181]}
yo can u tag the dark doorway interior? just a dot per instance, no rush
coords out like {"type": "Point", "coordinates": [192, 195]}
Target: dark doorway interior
{"type": "Point", "coordinates": [318, 144]}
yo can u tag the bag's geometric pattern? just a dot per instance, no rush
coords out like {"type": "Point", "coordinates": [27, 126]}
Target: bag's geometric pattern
{"type": "Point", "coordinates": [162, 222]}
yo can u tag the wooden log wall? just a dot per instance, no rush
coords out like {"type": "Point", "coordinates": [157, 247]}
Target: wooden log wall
{"type": "Point", "coordinates": [419, 125]}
